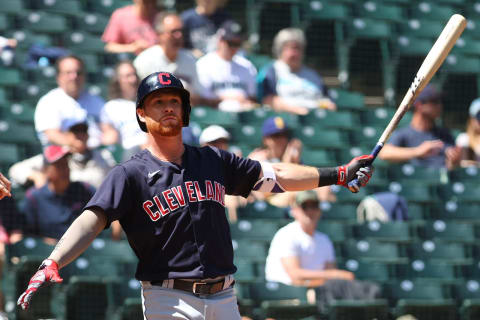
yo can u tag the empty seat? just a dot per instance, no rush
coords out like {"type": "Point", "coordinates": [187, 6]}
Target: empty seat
{"type": "Point", "coordinates": [322, 118]}
{"type": "Point", "coordinates": [369, 250]}
{"type": "Point", "coordinates": [346, 99]}
{"type": "Point", "coordinates": [321, 138]}
{"type": "Point", "coordinates": [453, 210]}
{"type": "Point", "coordinates": [422, 28]}
{"type": "Point", "coordinates": [79, 41]}
{"type": "Point", "coordinates": [28, 246]}
{"type": "Point", "coordinates": [206, 116]}
{"type": "Point", "coordinates": [448, 231]}
{"type": "Point", "coordinates": [44, 22]}
{"type": "Point", "coordinates": [407, 45]}
{"type": "Point", "coordinates": [10, 77]}
{"type": "Point", "coordinates": [12, 6]}
{"type": "Point", "coordinates": [86, 298]}
{"type": "Point", "coordinates": [468, 294]}
{"type": "Point", "coordinates": [432, 11]}
{"type": "Point", "coordinates": [457, 63]}
{"type": "Point", "coordinates": [341, 212]}
{"type": "Point", "coordinates": [261, 210]}
{"type": "Point", "coordinates": [436, 250]}
{"type": "Point", "coordinates": [110, 249]}
{"type": "Point", "coordinates": [358, 309]}
{"type": "Point", "coordinates": [64, 7]}
{"type": "Point", "coordinates": [423, 175]}
{"type": "Point", "coordinates": [336, 231]}
{"type": "Point", "coordinates": [254, 229]}
{"type": "Point", "coordinates": [439, 271]}
{"type": "Point", "coordinates": [318, 158]}
{"type": "Point", "coordinates": [413, 191]}
{"type": "Point", "coordinates": [367, 270]}
{"type": "Point", "coordinates": [9, 154]}
{"type": "Point", "coordinates": [246, 249]}
{"type": "Point", "coordinates": [382, 11]}
{"type": "Point", "coordinates": [92, 22]}
{"type": "Point", "coordinates": [248, 135]}
{"type": "Point", "coordinates": [460, 191]}
{"type": "Point", "coordinates": [390, 231]}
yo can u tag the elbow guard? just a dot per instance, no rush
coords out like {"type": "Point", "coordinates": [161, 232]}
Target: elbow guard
{"type": "Point", "coordinates": [268, 183]}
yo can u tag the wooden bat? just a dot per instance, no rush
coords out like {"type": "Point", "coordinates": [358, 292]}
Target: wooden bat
{"type": "Point", "coordinates": [435, 57]}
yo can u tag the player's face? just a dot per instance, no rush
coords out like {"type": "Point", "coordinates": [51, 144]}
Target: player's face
{"type": "Point", "coordinates": [71, 76]}
{"type": "Point", "coordinates": [292, 54]}
{"type": "Point", "coordinates": [162, 113]}
{"type": "Point", "coordinates": [172, 35]}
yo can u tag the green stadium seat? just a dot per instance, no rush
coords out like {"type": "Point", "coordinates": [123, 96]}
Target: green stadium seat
{"type": "Point", "coordinates": [256, 117]}
{"type": "Point", "coordinates": [424, 175]}
{"type": "Point", "coordinates": [45, 75]}
{"type": "Point", "coordinates": [254, 229]}
{"type": "Point", "coordinates": [43, 22]}
{"type": "Point", "coordinates": [110, 249]}
{"type": "Point", "coordinates": [347, 99]}
{"type": "Point", "coordinates": [277, 300]}
{"type": "Point", "coordinates": [259, 60]}
{"type": "Point", "coordinates": [5, 23]}
{"type": "Point", "coordinates": [467, 46]}
{"type": "Point", "coordinates": [463, 192]}
{"type": "Point", "coordinates": [422, 300]}
{"type": "Point", "coordinates": [358, 309]}
{"type": "Point", "coordinates": [10, 77]}
{"type": "Point", "coordinates": [453, 210]}
{"type": "Point", "coordinates": [408, 45]}
{"type": "Point", "coordinates": [206, 116]}
{"type": "Point", "coordinates": [246, 249]}
{"type": "Point", "coordinates": [368, 29]}
{"type": "Point", "coordinates": [9, 154]}
{"type": "Point", "coordinates": [321, 138]}
{"type": "Point", "coordinates": [86, 298]}
{"type": "Point", "coordinates": [248, 135]}
{"type": "Point", "coordinates": [432, 11]}
{"type": "Point", "coordinates": [28, 246]}
{"type": "Point", "coordinates": [322, 118]}
{"type": "Point", "coordinates": [374, 271]}
{"type": "Point", "coordinates": [435, 250]}
{"type": "Point", "coordinates": [372, 251]}
{"type": "Point", "coordinates": [468, 294]}
{"type": "Point", "coordinates": [83, 42]}
{"type": "Point", "coordinates": [335, 230]}
{"type": "Point", "coordinates": [451, 231]}
{"type": "Point", "coordinates": [413, 191]}
{"type": "Point", "coordinates": [318, 158]}
{"type": "Point", "coordinates": [261, 210]}
{"type": "Point", "coordinates": [465, 174]}
{"type": "Point", "coordinates": [367, 136]}
{"type": "Point", "coordinates": [458, 63]}
{"type": "Point", "coordinates": [245, 271]}
{"type": "Point", "coordinates": [12, 6]}
{"type": "Point", "coordinates": [26, 38]}
{"type": "Point", "coordinates": [325, 10]}
{"type": "Point", "coordinates": [345, 196]}
{"type": "Point", "coordinates": [92, 22]}
{"type": "Point", "coordinates": [417, 212]}
{"type": "Point", "coordinates": [421, 28]}
{"type": "Point", "coordinates": [3, 97]}
{"type": "Point", "coordinates": [122, 288]}
{"type": "Point", "coordinates": [386, 232]}
{"type": "Point", "coordinates": [15, 132]}
{"type": "Point", "coordinates": [107, 7]}
{"type": "Point", "coordinates": [425, 270]}
{"type": "Point", "coordinates": [64, 7]}
{"type": "Point", "coordinates": [381, 11]}
{"type": "Point", "coordinates": [340, 212]}
{"type": "Point", "coordinates": [132, 309]}
{"type": "Point", "coordinates": [380, 117]}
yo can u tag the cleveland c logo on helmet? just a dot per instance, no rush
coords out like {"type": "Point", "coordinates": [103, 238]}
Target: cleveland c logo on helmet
{"type": "Point", "coordinates": [160, 81]}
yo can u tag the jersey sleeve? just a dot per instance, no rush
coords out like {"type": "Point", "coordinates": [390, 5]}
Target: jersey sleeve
{"type": "Point", "coordinates": [241, 174]}
{"type": "Point", "coordinates": [113, 196]}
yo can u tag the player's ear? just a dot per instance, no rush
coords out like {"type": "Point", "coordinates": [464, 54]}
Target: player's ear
{"type": "Point", "coordinates": [141, 114]}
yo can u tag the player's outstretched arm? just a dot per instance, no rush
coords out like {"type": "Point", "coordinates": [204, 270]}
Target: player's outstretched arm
{"type": "Point", "coordinates": [76, 239]}
{"type": "Point", "coordinates": [279, 177]}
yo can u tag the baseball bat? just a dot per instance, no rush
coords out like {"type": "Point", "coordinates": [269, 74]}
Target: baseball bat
{"type": "Point", "coordinates": [434, 59]}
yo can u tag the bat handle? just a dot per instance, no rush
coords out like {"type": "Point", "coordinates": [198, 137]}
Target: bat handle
{"type": "Point", "coordinates": [375, 152]}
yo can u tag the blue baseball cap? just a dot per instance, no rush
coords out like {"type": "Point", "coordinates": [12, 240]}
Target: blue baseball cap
{"type": "Point", "coordinates": [474, 110]}
{"type": "Point", "coordinates": [429, 93]}
{"type": "Point", "coordinates": [274, 125]}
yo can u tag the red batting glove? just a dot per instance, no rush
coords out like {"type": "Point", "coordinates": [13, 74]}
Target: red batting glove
{"type": "Point", "coordinates": [359, 168]}
{"type": "Point", "coordinates": [47, 272]}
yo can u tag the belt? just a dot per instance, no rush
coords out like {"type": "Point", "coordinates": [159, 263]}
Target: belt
{"type": "Point", "coordinates": [195, 287]}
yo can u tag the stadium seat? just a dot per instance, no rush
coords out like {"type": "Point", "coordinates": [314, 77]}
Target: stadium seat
{"type": "Point", "coordinates": [345, 196]}
{"type": "Point", "coordinates": [261, 210]}
{"type": "Point", "coordinates": [206, 116]}
{"type": "Point", "coordinates": [468, 294]}
{"type": "Point", "coordinates": [318, 157]}
{"type": "Point", "coordinates": [132, 309]}
{"type": "Point", "coordinates": [321, 138]}
{"type": "Point", "coordinates": [245, 271]}
{"type": "Point", "coordinates": [92, 22]}
{"type": "Point", "coordinates": [28, 246]}
{"type": "Point", "coordinates": [279, 301]}
{"type": "Point", "coordinates": [64, 7]}
{"type": "Point", "coordinates": [453, 210]}
{"type": "Point", "coordinates": [260, 61]}
{"type": "Point", "coordinates": [341, 212]}
{"type": "Point", "coordinates": [254, 229]}
{"type": "Point", "coordinates": [15, 132]}
{"type": "Point", "coordinates": [467, 45]}
{"type": "Point", "coordinates": [380, 117]}
{"type": "Point", "coordinates": [367, 136]}
{"type": "Point", "coordinates": [451, 231]}
{"type": "Point", "coordinates": [336, 231]}
{"type": "Point", "coordinates": [248, 135]}
{"type": "Point", "coordinates": [370, 250]}
{"type": "Point", "coordinates": [358, 309]}
{"type": "Point", "coordinates": [463, 192]}
{"type": "Point", "coordinates": [5, 23]}
{"type": "Point", "coordinates": [257, 116]}
{"type": "Point", "coordinates": [106, 7]}
{"type": "Point", "coordinates": [325, 10]}
{"type": "Point", "coordinates": [9, 154]}
{"type": "Point", "coordinates": [431, 11]}
{"type": "Point", "coordinates": [44, 22]}
{"type": "Point", "coordinates": [408, 45]}
{"type": "Point", "coordinates": [442, 272]}
{"type": "Point", "coordinates": [381, 11]}
{"type": "Point", "coordinates": [386, 232]}
{"type": "Point", "coordinates": [45, 75]}
{"type": "Point", "coordinates": [423, 300]}
{"type": "Point", "coordinates": [424, 175]}
{"type": "Point", "coordinates": [322, 118]}
{"type": "Point", "coordinates": [346, 99]}
{"type": "Point", "coordinates": [436, 250]}
{"type": "Point", "coordinates": [465, 174]}
{"type": "Point", "coordinates": [83, 42]}
{"type": "Point", "coordinates": [246, 249]}
{"type": "Point", "coordinates": [459, 63]}
{"type": "Point", "coordinates": [374, 271]}
{"type": "Point", "coordinates": [421, 28]}
{"type": "Point", "coordinates": [413, 191]}
{"type": "Point", "coordinates": [10, 77]}
{"type": "Point", "coordinates": [122, 288]}
{"type": "Point", "coordinates": [12, 6]}
{"type": "Point", "coordinates": [86, 298]}
{"type": "Point", "coordinates": [110, 249]}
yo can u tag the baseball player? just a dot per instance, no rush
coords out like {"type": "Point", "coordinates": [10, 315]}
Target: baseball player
{"type": "Point", "coordinates": [169, 199]}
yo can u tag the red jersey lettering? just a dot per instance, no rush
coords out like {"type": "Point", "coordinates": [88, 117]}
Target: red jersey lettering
{"type": "Point", "coordinates": [178, 192]}
{"type": "Point", "coordinates": [153, 215]}
{"type": "Point", "coordinates": [190, 191]}
{"type": "Point", "coordinates": [209, 190]}
{"type": "Point", "coordinates": [218, 192]}
{"type": "Point", "coordinates": [163, 211]}
{"type": "Point", "coordinates": [167, 194]}
{"type": "Point", "coordinates": [200, 196]}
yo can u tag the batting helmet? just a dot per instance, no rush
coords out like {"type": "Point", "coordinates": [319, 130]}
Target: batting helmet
{"type": "Point", "coordinates": [163, 81]}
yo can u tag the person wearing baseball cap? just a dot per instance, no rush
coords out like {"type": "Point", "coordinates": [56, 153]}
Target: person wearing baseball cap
{"type": "Point", "coordinates": [469, 141]}
{"type": "Point", "coordinates": [227, 76]}
{"type": "Point", "coordinates": [299, 254]}
{"type": "Point", "coordinates": [215, 136]}
{"type": "Point", "coordinates": [50, 209]}
{"type": "Point", "coordinates": [423, 143]}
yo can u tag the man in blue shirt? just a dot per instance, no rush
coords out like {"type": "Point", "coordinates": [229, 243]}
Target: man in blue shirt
{"type": "Point", "coordinates": [51, 209]}
{"type": "Point", "coordinates": [170, 201]}
{"type": "Point", "coordinates": [423, 143]}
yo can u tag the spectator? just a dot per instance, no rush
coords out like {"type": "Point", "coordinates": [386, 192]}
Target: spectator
{"type": "Point", "coordinates": [169, 56]}
{"type": "Point", "coordinates": [299, 254]}
{"type": "Point", "coordinates": [5, 187]}
{"type": "Point", "coordinates": [288, 85]}
{"type": "Point", "coordinates": [119, 124]}
{"type": "Point", "coordinates": [7, 47]}
{"type": "Point", "coordinates": [86, 165]}
{"type": "Point", "coordinates": [469, 141]}
{"type": "Point", "coordinates": [201, 24]}
{"type": "Point", "coordinates": [50, 209]}
{"type": "Point", "coordinates": [423, 143]}
{"type": "Point", "coordinates": [228, 77]}
{"type": "Point", "coordinates": [130, 28]}
{"type": "Point", "coordinates": [67, 104]}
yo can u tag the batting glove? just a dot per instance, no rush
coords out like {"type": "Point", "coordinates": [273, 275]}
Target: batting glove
{"type": "Point", "coordinates": [359, 168]}
{"type": "Point", "coordinates": [47, 272]}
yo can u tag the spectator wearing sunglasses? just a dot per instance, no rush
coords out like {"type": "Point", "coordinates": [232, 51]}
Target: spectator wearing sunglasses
{"type": "Point", "coordinates": [423, 143]}
{"type": "Point", "coordinates": [226, 76]}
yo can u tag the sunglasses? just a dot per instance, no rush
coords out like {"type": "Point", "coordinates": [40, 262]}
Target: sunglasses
{"type": "Point", "coordinates": [234, 44]}
{"type": "Point", "coordinates": [310, 205]}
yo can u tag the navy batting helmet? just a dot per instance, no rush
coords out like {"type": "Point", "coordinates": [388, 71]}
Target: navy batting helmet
{"type": "Point", "coordinates": [158, 81]}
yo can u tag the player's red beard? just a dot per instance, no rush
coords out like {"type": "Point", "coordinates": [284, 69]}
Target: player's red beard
{"type": "Point", "coordinates": [155, 127]}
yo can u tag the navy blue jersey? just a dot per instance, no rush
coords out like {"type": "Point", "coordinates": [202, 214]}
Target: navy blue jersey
{"type": "Point", "coordinates": [174, 216]}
